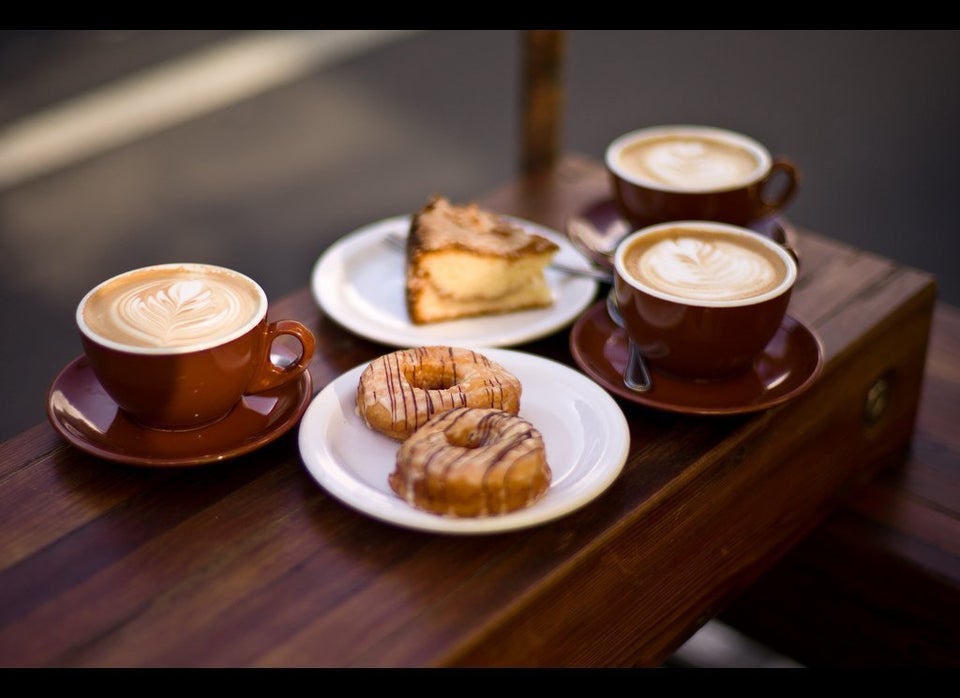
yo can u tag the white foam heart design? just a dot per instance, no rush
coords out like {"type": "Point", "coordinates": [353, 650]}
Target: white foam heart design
{"type": "Point", "coordinates": [179, 312]}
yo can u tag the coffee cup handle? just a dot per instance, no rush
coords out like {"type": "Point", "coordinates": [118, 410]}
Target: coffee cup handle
{"type": "Point", "coordinates": [793, 252]}
{"type": "Point", "coordinates": [270, 375]}
{"type": "Point", "coordinates": [779, 186]}
{"type": "Point", "coordinates": [779, 234]}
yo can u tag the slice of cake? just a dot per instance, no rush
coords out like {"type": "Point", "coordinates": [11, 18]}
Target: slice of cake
{"type": "Point", "coordinates": [463, 261]}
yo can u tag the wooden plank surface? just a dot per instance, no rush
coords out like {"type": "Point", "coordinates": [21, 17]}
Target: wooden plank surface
{"type": "Point", "coordinates": [251, 563]}
{"type": "Point", "coordinates": [878, 584]}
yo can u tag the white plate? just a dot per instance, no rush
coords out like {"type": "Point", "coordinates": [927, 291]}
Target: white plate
{"type": "Point", "coordinates": [360, 283]}
{"type": "Point", "coordinates": [584, 431]}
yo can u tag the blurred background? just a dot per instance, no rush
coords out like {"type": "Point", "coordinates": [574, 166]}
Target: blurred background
{"type": "Point", "coordinates": [121, 148]}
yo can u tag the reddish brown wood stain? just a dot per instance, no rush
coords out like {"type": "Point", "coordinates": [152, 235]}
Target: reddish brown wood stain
{"type": "Point", "coordinates": [834, 538]}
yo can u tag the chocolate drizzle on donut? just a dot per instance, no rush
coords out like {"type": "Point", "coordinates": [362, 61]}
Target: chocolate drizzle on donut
{"type": "Point", "coordinates": [398, 392]}
{"type": "Point", "coordinates": [472, 462]}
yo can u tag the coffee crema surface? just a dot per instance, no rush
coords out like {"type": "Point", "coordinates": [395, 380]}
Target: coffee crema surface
{"type": "Point", "coordinates": [173, 307]}
{"type": "Point", "coordinates": [705, 266]}
{"type": "Point", "coordinates": [689, 161]}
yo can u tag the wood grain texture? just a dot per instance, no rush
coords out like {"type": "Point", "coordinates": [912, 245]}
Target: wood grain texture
{"type": "Point", "coordinates": [878, 584]}
{"type": "Point", "coordinates": [250, 563]}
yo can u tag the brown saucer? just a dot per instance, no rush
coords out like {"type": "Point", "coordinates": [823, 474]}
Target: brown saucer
{"type": "Point", "coordinates": [611, 227]}
{"type": "Point", "coordinates": [80, 410]}
{"type": "Point", "coordinates": [790, 364]}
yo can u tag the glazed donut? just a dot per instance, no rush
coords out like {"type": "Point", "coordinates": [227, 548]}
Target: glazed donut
{"type": "Point", "coordinates": [400, 391]}
{"type": "Point", "coordinates": [472, 462]}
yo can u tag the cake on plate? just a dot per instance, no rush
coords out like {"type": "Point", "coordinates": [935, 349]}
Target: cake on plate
{"type": "Point", "coordinates": [465, 261]}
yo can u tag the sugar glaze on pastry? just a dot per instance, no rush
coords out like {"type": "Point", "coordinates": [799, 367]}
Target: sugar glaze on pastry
{"type": "Point", "coordinates": [472, 462]}
{"type": "Point", "coordinates": [399, 391]}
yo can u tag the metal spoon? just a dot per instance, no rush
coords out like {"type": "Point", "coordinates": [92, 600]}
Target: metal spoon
{"type": "Point", "coordinates": [587, 238]}
{"type": "Point", "coordinates": [636, 375]}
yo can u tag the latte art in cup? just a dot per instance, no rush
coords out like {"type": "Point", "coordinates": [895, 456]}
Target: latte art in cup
{"type": "Point", "coordinates": [706, 265]}
{"type": "Point", "coordinates": [689, 162]}
{"type": "Point", "coordinates": [701, 299]}
{"type": "Point", "coordinates": [685, 172]}
{"type": "Point", "coordinates": [173, 307]}
{"type": "Point", "coordinates": [178, 346]}
{"type": "Point", "coordinates": [702, 267]}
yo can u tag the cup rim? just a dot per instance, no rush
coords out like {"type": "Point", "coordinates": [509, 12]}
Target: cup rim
{"type": "Point", "coordinates": [784, 286]}
{"type": "Point", "coordinates": [255, 319]}
{"type": "Point", "coordinates": [762, 153]}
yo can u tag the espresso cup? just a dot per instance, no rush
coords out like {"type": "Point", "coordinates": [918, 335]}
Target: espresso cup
{"type": "Point", "coordinates": [177, 346]}
{"type": "Point", "coordinates": [702, 299]}
{"type": "Point", "coordinates": [689, 172]}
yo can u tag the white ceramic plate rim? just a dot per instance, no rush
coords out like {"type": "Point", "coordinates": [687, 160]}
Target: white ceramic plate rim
{"type": "Point", "coordinates": [584, 430]}
{"type": "Point", "coordinates": [359, 283]}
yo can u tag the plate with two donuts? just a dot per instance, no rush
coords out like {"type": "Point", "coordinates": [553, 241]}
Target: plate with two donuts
{"type": "Point", "coordinates": [462, 440]}
{"type": "Point", "coordinates": [359, 282]}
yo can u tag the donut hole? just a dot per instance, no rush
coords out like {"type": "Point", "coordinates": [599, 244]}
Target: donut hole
{"type": "Point", "coordinates": [434, 384]}
{"type": "Point", "coordinates": [468, 438]}
{"type": "Point", "coordinates": [429, 377]}
{"type": "Point", "coordinates": [469, 435]}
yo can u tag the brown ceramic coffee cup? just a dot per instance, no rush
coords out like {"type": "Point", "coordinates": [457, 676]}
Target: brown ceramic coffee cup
{"type": "Point", "coordinates": [690, 172]}
{"type": "Point", "coordinates": [177, 346]}
{"type": "Point", "coordinates": [702, 299]}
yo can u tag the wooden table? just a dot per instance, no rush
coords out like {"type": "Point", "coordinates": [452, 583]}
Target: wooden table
{"type": "Point", "coordinates": [251, 563]}
{"type": "Point", "coordinates": [878, 583]}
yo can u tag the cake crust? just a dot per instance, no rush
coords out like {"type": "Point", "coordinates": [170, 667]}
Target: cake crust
{"type": "Point", "coordinates": [465, 261]}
